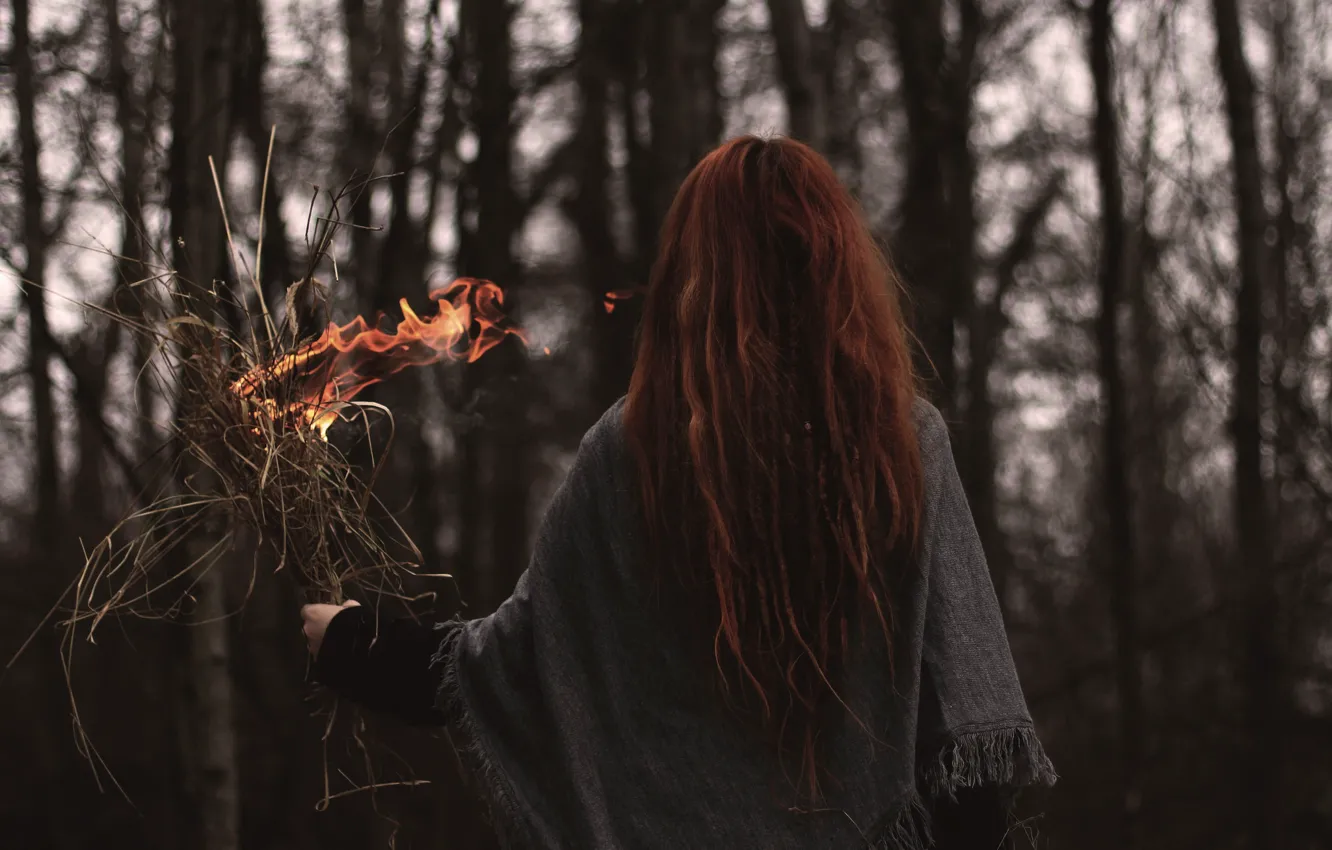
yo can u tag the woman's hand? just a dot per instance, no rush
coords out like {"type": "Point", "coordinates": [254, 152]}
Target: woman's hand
{"type": "Point", "coordinates": [317, 618]}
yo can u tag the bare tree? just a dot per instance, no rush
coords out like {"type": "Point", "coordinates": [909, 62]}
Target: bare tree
{"type": "Point", "coordinates": [46, 524]}
{"type": "Point", "coordinates": [1115, 461]}
{"type": "Point", "coordinates": [802, 75]}
{"type": "Point", "coordinates": [679, 42]}
{"type": "Point", "coordinates": [277, 269]}
{"type": "Point", "coordinates": [32, 286]}
{"type": "Point", "coordinates": [590, 207]}
{"type": "Point", "coordinates": [204, 44]}
{"type": "Point", "coordinates": [1252, 524]}
{"type": "Point", "coordinates": [846, 75]}
{"type": "Point", "coordinates": [486, 250]}
{"type": "Point", "coordinates": [936, 241]}
{"type": "Point", "coordinates": [374, 96]}
{"type": "Point", "coordinates": [131, 121]}
{"type": "Point", "coordinates": [405, 250]}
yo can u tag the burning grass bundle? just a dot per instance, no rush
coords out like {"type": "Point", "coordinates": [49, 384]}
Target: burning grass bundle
{"type": "Point", "coordinates": [249, 449]}
{"type": "Point", "coordinates": [251, 452]}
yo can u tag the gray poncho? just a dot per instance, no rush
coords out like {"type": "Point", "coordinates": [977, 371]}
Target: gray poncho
{"type": "Point", "coordinates": [585, 728]}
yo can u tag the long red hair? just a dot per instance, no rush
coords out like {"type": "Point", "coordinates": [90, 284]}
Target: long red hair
{"type": "Point", "coordinates": [770, 418]}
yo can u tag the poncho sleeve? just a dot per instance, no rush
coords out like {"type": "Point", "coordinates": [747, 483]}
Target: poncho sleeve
{"type": "Point", "coordinates": [974, 728]}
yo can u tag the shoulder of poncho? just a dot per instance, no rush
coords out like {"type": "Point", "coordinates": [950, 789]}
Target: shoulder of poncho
{"type": "Point", "coordinates": [931, 430]}
{"type": "Point", "coordinates": [610, 426]}
{"type": "Point", "coordinates": [937, 464]}
{"type": "Point", "coordinates": [587, 523]}
{"type": "Point", "coordinates": [592, 485]}
{"type": "Point", "coordinates": [603, 442]}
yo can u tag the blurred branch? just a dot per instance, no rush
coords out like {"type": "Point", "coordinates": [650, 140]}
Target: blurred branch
{"type": "Point", "coordinates": [12, 376]}
{"type": "Point", "coordinates": [68, 198]}
{"type": "Point", "coordinates": [559, 165]}
{"type": "Point", "coordinates": [1162, 637]}
{"type": "Point", "coordinates": [92, 414]}
{"type": "Point", "coordinates": [547, 76]}
{"type": "Point", "coordinates": [1199, 357]}
{"type": "Point", "coordinates": [1015, 254]}
{"type": "Point", "coordinates": [56, 44]}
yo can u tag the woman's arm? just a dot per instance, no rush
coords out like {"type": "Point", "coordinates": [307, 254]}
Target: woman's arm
{"type": "Point", "coordinates": [384, 665]}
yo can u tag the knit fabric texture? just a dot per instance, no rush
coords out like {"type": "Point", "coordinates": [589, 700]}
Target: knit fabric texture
{"type": "Point", "coordinates": [584, 725]}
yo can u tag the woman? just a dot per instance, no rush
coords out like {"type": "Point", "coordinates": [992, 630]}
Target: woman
{"type": "Point", "coordinates": [758, 614]}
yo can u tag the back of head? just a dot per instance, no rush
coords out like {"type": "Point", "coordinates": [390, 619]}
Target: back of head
{"type": "Point", "coordinates": [770, 417]}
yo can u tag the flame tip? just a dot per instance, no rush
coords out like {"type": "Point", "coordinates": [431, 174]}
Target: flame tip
{"type": "Point", "coordinates": [364, 355]}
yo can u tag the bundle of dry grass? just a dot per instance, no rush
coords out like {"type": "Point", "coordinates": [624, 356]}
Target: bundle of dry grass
{"type": "Point", "coordinates": [249, 448]}
{"type": "Point", "coordinates": [240, 462]}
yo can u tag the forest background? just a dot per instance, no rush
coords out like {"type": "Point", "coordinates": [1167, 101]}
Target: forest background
{"type": "Point", "coordinates": [1111, 217]}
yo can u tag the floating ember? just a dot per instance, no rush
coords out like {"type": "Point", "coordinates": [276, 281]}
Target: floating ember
{"type": "Point", "coordinates": [311, 384]}
{"type": "Point", "coordinates": [618, 295]}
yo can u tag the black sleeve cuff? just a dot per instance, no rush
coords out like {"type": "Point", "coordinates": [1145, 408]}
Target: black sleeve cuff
{"type": "Point", "coordinates": [383, 664]}
{"type": "Point", "coordinates": [978, 819]}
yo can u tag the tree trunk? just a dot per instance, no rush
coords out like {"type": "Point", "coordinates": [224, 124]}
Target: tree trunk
{"type": "Point", "coordinates": [358, 154]}
{"type": "Point", "coordinates": [404, 261]}
{"type": "Point", "coordinates": [1260, 770]}
{"type": "Point", "coordinates": [1117, 497]}
{"type": "Point", "coordinates": [936, 237]}
{"type": "Point", "coordinates": [46, 520]}
{"type": "Point", "coordinates": [147, 436]}
{"type": "Point", "coordinates": [90, 363]}
{"type": "Point", "coordinates": [925, 250]}
{"type": "Point", "coordinates": [131, 124]}
{"type": "Point", "coordinates": [277, 267]}
{"type": "Point", "coordinates": [666, 52]}
{"type": "Point", "coordinates": [1290, 328]}
{"type": "Point", "coordinates": [499, 376]}
{"type": "Point", "coordinates": [680, 42]}
{"type": "Point", "coordinates": [590, 209]}
{"type": "Point", "coordinates": [216, 776]}
{"type": "Point", "coordinates": [45, 691]}
{"type": "Point", "coordinates": [845, 78]}
{"type": "Point", "coordinates": [800, 73]}
{"type": "Point", "coordinates": [498, 222]}
{"type": "Point", "coordinates": [203, 54]}
{"type": "Point", "coordinates": [1150, 418]}
{"type": "Point", "coordinates": [628, 65]}
{"type": "Point", "coordinates": [470, 561]}
{"type": "Point", "coordinates": [90, 359]}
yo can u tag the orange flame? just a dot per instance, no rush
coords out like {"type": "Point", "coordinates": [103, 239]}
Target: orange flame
{"type": "Point", "coordinates": [618, 295]}
{"type": "Point", "coordinates": [329, 372]}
